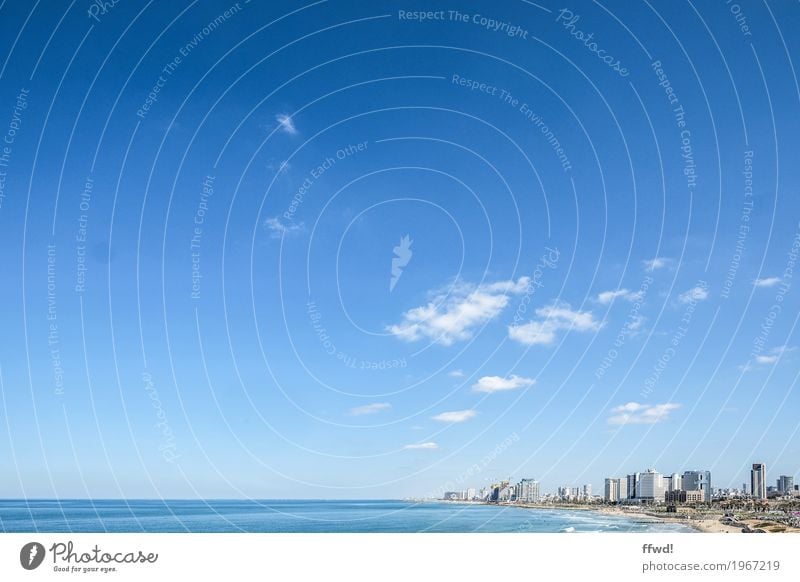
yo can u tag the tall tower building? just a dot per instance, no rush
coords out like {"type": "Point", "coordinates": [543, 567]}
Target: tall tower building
{"type": "Point", "coordinates": [758, 481]}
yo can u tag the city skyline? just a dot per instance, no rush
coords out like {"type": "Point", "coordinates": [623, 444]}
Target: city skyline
{"type": "Point", "coordinates": [649, 486]}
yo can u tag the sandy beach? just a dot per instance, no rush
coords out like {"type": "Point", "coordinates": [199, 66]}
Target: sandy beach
{"type": "Point", "coordinates": [703, 522]}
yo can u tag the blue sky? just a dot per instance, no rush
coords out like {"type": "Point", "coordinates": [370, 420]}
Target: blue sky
{"type": "Point", "coordinates": [333, 250]}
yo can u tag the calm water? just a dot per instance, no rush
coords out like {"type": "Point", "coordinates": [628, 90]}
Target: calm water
{"type": "Point", "coordinates": [301, 516]}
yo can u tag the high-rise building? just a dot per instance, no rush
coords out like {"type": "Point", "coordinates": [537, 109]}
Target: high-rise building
{"type": "Point", "coordinates": [674, 483]}
{"type": "Point", "coordinates": [587, 492]}
{"type": "Point", "coordinates": [651, 486]}
{"type": "Point", "coordinates": [698, 481]}
{"type": "Point", "coordinates": [632, 486]}
{"type": "Point", "coordinates": [758, 481]}
{"type": "Point", "coordinates": [528, 491]}
{"type": "Point", "coordinates": [614, 491]}
{"type": "Point", "coordinates": [785, 484]}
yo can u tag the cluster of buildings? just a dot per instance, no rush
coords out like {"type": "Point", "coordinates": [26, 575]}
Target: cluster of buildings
{"type": "Point", "coordinates": [648, 487]}
{"type": "Point", "coordinates": [526, 491]}
{"type": "Point", "coordinates": [653, 487]}
{"type": "Point", "coordinates": [691, 487]}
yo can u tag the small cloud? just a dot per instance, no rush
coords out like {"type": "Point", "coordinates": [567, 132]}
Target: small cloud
{"type": "Point", "coordinates": [452, 314]}
{"type": "Point", "coordinates": [636, 413]}
{"type": "Point", "coordinates": [278, 229]}
{"type": "Point", "coordinates": [369, 408]}
{"type": "Point", "coordinates": [771, 357]}
{"type": "Point", "coordinates": [455, 416]}
{"type": "Point", "coordinates": [696, 293]}
{"type": "Point", "coordinates": [767, 282]}
{"type": "Point", "coordinates": [607, 297]}
{"type": "Point", "coordinates": [634, 323]}
{"type": "Point", "coordinates": [554, 318]}
{"type": "Point", "coordinates": [656, 263]}
{"type": "Point", "coordinates": [456, 374]}
{"type": "Point", "coordinates": [286, 123]}
{"type": "Point", "coordinates": [491, 384]}
{"type": "Point", "coordinates": [422, 446]}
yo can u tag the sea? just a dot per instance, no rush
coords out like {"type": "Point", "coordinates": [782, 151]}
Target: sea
{"type": "Point", "coordinates": [305, 516]}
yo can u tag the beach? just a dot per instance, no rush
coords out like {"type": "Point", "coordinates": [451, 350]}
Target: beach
{"type": "Point", "coordinates": [705, 522]}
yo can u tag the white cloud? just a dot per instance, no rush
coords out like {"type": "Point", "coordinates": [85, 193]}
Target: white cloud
{"type": "Point", "coordinates": [656, 263]}
{"type": "Point", "coordinates": [286, 123]}
{"type": "Point", "coordinates": [452, 314]}
{"type": "Point", "coordinates": [607, 297]}
{"type": "Point", "coordinates": [697, 293]}
{"type": "Point", "coordinates": [278, 229]}
{"type": "Point", "coordinates": [370, 408]}
{"type": "Point", "coordinates": [422, 446]}
{"type": "Point", "coordinates": [455, 416]}
{"type": "Point", "coordinates": [771, 357]}
{"type": "Point", "coordinates": [456, 374]}
{"type": "Point", "coordinates": [767, 282]}
{"type": "Point", "coordinates": [635, 323]}
{"type": "Point", "coordinates": [491, 384]}
{"type": "Point", "coordinates": [554, 318]}
{"type": "Point", "coordinates": [636, 413]}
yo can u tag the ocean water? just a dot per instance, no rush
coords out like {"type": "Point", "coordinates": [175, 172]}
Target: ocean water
{"type": "Point", "coordinates": [303, 516]}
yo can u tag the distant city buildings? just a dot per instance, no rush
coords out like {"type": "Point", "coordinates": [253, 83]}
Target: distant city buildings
{"type": "Point", "coordinates": [650, 486]}
{"type": "Point", "coordinates": [758, 481]}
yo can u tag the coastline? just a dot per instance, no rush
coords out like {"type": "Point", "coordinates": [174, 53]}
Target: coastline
{"type": "Point", "coordinates": [708, 522]}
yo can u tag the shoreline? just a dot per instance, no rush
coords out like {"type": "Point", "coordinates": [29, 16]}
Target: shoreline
{"type": "Point", "coordinates": [709, 522]}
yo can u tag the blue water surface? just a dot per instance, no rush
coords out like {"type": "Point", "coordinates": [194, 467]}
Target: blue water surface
{"type": "Point", "coordinates": [307, 516]}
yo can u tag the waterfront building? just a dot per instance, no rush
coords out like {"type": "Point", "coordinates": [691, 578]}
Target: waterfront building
{"type": "Point", "coordinates": [674, 483]}
{"type": "Point", "coordinates": [698, 481]}
{"type": "Point", "coordinates": [651, 486]}
{"type": "Point", "coordinates": [528, 491]}
{"type": "Point", "coordinates": [614, 490]}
